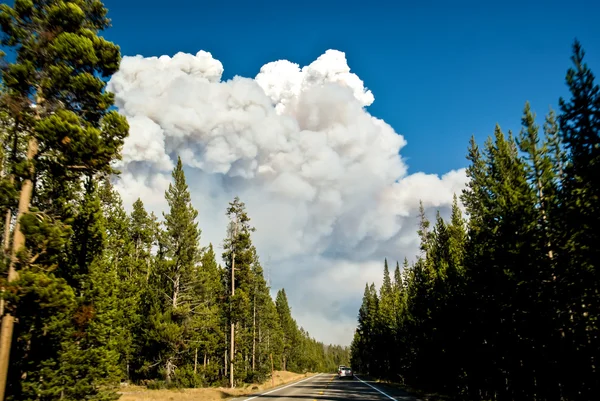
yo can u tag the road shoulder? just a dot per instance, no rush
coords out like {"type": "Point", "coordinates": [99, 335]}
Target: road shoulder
{"type": "Point", "coordinates": [281, 379]}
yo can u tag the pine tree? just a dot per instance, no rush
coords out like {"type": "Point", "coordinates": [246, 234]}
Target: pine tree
{"type": "Point", "coordinates": [209, 335]}
{"type": "Point", "coordinates": [288, 327]}
{"type": "Point", "coordinates": [457, 238]}
{"type": "Point", "coordinates": [100, 295]}
{"type": "Point", "coordinates": [539, 171]}
{"type": "Point", "coordinates": [128, 278]}
{"type": "Point", "coordinates": [554, 145]}
{"type": "Point", "coordinates": [69, 129]}
{"type": "Point", "coordinates": [139, 288]}
{"type": "Point", "coordinates": [92, 361]}
{"type": "Point", "coordinates": [263, 310]}
{"type": "Point", "coordinates": [504, 305]}
{"type": "Point", "coordinates": [142, 233]}
{"type": "Point", "coordinates": [579, 122]}
{"type": "Point", "coordinates": [362, 335]}
{"type": "Point", "coordinates": [238, 256]}
{"type": "Point", "coordinates": [385, 320]}
{"type": "Point", "coordinates": [177, 272]}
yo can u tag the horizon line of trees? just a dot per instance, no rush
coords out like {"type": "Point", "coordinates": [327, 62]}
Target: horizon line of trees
{"type": "Point", "coordinates": [92, 295]}
{"type": "Point", "coordinates": [504, 304]}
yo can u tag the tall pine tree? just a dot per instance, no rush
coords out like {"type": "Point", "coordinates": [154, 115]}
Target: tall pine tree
{"type": "Point", "coordinates": [61, 112]}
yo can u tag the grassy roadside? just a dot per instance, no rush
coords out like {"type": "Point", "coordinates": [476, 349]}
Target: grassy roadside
{"type": "Point", "coordinates": [138, 393]}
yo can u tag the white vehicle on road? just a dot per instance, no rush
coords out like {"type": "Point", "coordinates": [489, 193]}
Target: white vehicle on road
{"type": "Point", "coordinates": [345, 371]}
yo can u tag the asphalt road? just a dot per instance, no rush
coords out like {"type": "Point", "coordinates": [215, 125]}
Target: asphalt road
{"type": "Point", "coordinates": [328, 387]}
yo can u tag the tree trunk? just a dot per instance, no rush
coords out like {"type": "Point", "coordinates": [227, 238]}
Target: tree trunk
{"type": "Point", "coordinates": [205, 360]}
{"type": "Point", "coordinates": [148, 268]}
{"type": "Point", "coordinates": [544, 218]}
{"type": "Point", "coordinates": [5, 344]}
{"type": "Point", "coordinates": [18, 242]}
{"type": "Point", "coordinates": [232, 323]}
{"type": "Point", "coordinates": [254, 336]}
{"type": "Point", "coordinates": [272, 370]}
{"type": "Point", "coordinates": [8, 218]}
{"type": "Point", "coordinates": [196, 361]}
{"type": "Point", "coordinates": [175, 291]}
{"type": "Point", "coordinates": [6, 249]}
{"type": "Point", "coordinates": [169, 370]}
{"type": "Point", "coordinates": [137, 248]}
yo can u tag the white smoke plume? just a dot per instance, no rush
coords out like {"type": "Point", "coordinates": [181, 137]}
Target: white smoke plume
{"type": "Point", "coordinates": [322, 179]}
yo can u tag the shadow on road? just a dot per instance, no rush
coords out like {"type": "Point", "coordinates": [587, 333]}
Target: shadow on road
{"type": "Point", "coordinates": [331, 388]}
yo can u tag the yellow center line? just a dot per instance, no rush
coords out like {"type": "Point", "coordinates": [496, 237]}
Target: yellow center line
{"type": "Point", "coordinates": [326, 386]}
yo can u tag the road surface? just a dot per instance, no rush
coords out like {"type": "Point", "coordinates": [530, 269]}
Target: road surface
{"type": "Point", "coordinates": [328, 387]}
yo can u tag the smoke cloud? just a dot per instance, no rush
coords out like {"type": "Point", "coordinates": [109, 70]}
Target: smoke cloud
{"type": "Point", "coordinates": [322, 179]}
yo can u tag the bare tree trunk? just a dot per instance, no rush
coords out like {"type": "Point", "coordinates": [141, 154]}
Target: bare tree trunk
{"type": "Point", "coordinates": [205, 360]}
{"type": "Point", "coordinates": [175, 291]}
{"type": "Point", "coordinates": [254, 335]}
{"type": "Point", "coordinates": [196, 361]}
{"type": "Point", "coordinates": [260, 338]}
{"type": "Point", "coordinates": [259, 343]}
{"type": "Point", "coordinates": [8, 320]}
{"type": "Point", "coordinates": [544, 218]}
{"type": "Point", "coordinates": [272, 371]}
{"type": "Point", "coordinates": [169, 370]}
{"type": "Point", "coordinates": [232, 324]}
{"type": "Point", "coordinates": [148, 268]}
{"type": "Point", "coordinates": [137, 248]}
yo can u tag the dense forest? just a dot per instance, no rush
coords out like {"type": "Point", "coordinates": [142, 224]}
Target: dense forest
{"type": "Point", "coordinates": [92, 295]}
{"type": "Point", "coordinates": [503, 303]}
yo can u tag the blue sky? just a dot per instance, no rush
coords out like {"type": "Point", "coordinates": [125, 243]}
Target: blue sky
{"type": "Point", "coordinates": [440, 71]}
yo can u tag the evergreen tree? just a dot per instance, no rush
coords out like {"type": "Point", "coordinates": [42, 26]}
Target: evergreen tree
{"type": "Point", "coordinates": [61, 113]}
{"type": "Point", "coordinates": [92, 360]}
{"type": "Point", "coordinates": [177, 274]}
{"type": "Point", "coordinates": [209, 334]}
{"type": "Point", "coordinates": [288, 327]}
{"type": "Point", "coordinates": [579, 122]}
{"type": "Point", "coordinates": [554, 144]}
{"type": "Point", "coordinates": [504, 305]}
{"type": "Point", "coordinates": [128, 279]}
{"type": "Point", "coordinates": [238, 256]}
{"type": "Point", "coordinates": [142, 229]}
{"type": "Point", "coordinates": [386, 320]}
{"type": "Point", "coordinates": [103, 296]}
{"type": "Point", "coordinates": [262, 311]}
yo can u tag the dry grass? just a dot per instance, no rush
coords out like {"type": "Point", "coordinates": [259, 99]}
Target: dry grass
{"type": "Point", "coordinates": [137, 393]}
